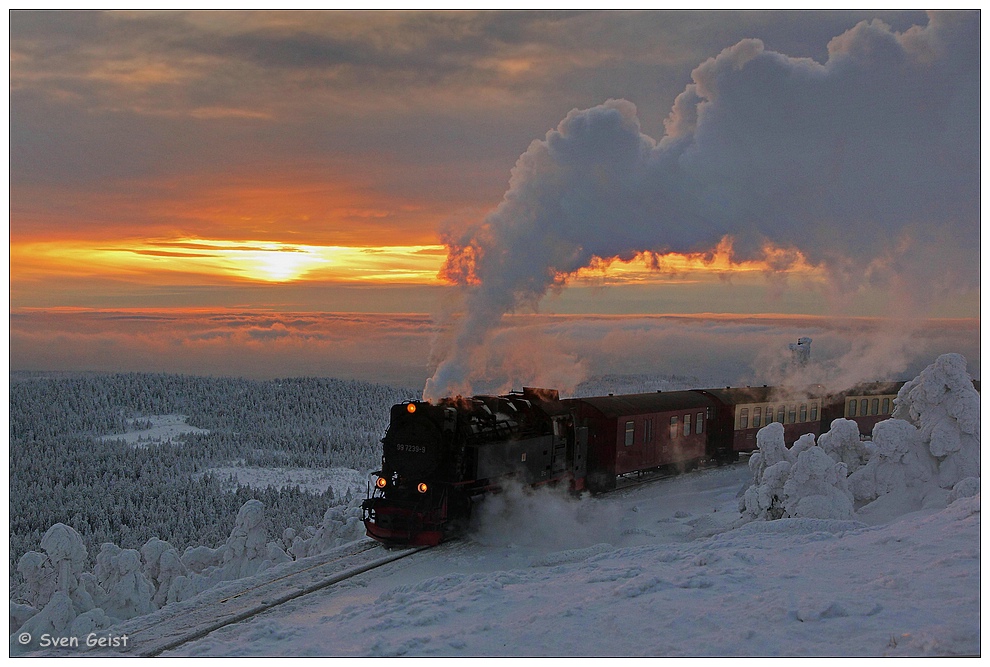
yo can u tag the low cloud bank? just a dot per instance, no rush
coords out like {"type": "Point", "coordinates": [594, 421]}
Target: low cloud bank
{"type": "Point", "coordinates": [526, 350]}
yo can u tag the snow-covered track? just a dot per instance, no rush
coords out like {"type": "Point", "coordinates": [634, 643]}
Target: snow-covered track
{"type": "Point", "coordinates": [167, 629]}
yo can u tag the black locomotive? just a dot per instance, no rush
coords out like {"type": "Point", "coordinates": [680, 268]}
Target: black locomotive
{"type": "Point", "coordinates": [437, 459]}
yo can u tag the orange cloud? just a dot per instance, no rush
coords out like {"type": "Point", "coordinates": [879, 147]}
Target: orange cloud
{"type": "Point", "coordinates": [649, 267]}
{"type": "Point", "coordinates": [219, 260]}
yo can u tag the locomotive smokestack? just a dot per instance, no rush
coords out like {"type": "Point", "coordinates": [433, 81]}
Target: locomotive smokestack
{"type": "Point", "coordinates": [861, 165]}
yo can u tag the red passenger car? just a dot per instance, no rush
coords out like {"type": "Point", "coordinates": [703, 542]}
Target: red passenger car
{"type": "Point", "coordinates": [641, 432]}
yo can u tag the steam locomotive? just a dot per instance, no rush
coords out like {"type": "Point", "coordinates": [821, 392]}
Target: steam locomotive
{"type": "Point", "coordinates": [438, 459]}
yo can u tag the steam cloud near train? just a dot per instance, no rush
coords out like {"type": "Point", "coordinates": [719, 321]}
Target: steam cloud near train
{"type": "Point", "coordinates": [864, 166]}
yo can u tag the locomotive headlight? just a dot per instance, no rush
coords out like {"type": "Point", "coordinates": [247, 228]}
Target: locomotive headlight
{"type": "Point", "coordinates": [411, 408]}
{"type": "Point", "coordinates": [381, 482]}
{"type": "Point", "coordinates": [422, 487]}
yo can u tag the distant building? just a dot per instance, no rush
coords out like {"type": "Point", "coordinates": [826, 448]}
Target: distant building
{"type": "Point", "coordinates": [801, 351]}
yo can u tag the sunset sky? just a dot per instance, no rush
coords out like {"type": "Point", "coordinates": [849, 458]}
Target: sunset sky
{"type": "Point", "coordinates": [189, 166]}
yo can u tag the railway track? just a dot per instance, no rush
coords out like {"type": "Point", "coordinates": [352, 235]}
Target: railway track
{"type": "Point", "coordinates": [181, 623]}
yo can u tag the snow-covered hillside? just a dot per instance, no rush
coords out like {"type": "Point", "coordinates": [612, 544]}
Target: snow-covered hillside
{"type": "Point", "coordinates": [827, 548]}
{"type": "Point", "coordinates": [653, 571]}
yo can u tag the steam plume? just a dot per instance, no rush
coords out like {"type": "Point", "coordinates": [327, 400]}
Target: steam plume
{"type": "Point", "coordinates": [863, 165]}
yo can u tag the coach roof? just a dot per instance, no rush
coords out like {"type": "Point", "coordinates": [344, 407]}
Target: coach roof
{"type": "Point", "coordinates": [637, 404]}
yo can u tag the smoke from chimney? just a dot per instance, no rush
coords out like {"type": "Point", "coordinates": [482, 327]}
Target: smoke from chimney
{"type": "Point", "coordinates": [868, 166]}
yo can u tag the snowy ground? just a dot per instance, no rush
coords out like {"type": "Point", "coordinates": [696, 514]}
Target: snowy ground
{"type": "Point", "coordinates": [164, 428]}
{"type": "Point", "coordinates": [657, 570]}
{"type": "Point", "coordinates": [313, 480]}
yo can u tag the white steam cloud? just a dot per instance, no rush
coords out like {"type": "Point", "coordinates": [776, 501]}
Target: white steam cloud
{"type": "Point", "coordinates": [867, 165]}
{"type": "Point", "coordinates": [547, 518]}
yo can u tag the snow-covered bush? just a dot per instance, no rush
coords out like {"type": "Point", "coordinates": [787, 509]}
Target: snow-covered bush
{"type": "Point", "coordinates": [162, 566]}
{"type": "Point", "coordinates": [170, 569]}
{"type": "Point", "coordinates": [58, 570]}
{"type": "Point", "coordinates": [130, 592]}
{"type": "Point", "coordinates": [802, 481]}
{"type": "Point", "coordinates": [900, 464]}
{"type": "Point", "coordinates": [770, 467]}
{"type": "Point", "coordinates": [931, 444]}
{"type": "Point", "coordinates": [816, 487]}
{"type": "Point", "coordinates": [341, 524]}
{"type": "Point", "coordinates": [770, 449]}
{"type": "Point", "coordinates": [966, 488]}
{"type": "Point", "coordinates": [843, 444]}
{"type": "Point", "coordinates": [67, 554]}
{"type": "Point", "coordinates": [20, 614]}
{"type": "Point", "coordinates": [943, 404]}
{"type": "Point", "coordinates": [200, 558]}
{"type": "Point", "coordinates": [52, 584]}
{"type": "Point", "coordinates": [39, 580]}
{"type": "Point", "coordinates": [246, 549]}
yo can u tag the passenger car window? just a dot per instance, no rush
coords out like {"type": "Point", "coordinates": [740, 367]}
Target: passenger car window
{"type": "Point", "coordinates": [630, 433]}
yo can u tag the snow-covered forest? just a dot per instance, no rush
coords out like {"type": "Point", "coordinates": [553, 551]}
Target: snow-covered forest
{"type": "Point", "coordinates": [67, 466]}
